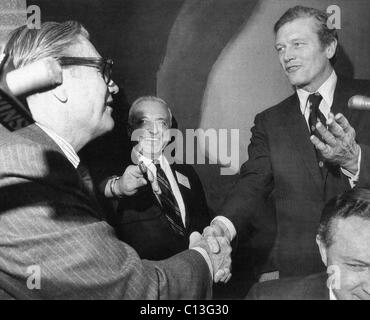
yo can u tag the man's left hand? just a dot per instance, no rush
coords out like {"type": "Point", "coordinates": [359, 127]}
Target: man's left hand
{"type": "Point", "coordinates": [338, 144]}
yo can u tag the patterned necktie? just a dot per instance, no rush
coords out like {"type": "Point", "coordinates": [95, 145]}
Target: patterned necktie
{"type": "Point", "coordinates": [316, 115]}
{"type": "Point", "coordinates": [314, 101]}
{"type": "Point", "coordinates": [169, 203]}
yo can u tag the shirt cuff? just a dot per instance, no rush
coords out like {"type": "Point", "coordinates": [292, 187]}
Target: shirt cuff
{"type": "Point", "coordinates": [353, 178]}
{"type": "Point", "coordinates": [206, 257]}
{"type": "Point", "coordinates": [228, 224]}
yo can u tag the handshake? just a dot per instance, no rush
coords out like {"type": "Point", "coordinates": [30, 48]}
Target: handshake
{"type": "Point", "coordinates": [215, 240]}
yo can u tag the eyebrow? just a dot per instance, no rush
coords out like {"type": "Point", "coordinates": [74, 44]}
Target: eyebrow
{"type": "Point", "coordinates": [355, 260]}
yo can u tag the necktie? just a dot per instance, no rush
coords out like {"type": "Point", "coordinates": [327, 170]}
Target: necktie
{"type": "Point", "coordinates": [314, 101]}
{"type": "Point", "coordinates": [169, 203]}
{"type": "Point", "coordinates": [316, 115]}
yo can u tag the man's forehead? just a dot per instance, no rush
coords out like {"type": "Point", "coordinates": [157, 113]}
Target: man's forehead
{"type": "Point", "coordinates": [151, 108]}
{"type": "Point", "coordinates": [352, 236]}
{"type": "Point", "coordinates": [299, 27]}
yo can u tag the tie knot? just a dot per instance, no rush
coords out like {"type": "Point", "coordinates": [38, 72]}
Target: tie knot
{"type": "Point", "coordinates": [314, 99]}
{"type": "Point", "coordinates": [157, 164]}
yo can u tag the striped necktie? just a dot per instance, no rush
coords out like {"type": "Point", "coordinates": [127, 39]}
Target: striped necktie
{"type": "Point", "coordinates": [169, 204]}
{"type": "Point", "coordinates": [314, 101]}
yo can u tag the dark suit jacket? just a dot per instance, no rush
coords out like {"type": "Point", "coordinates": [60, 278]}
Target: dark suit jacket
{"type": "Point", "coordinates": [312, 287]}
{"type": "Point", "coordinates": [282, 163]}
{"type": "Point", "coordinates": [140, 222]}
{"type": "Point", "coordinates": [47, 218]}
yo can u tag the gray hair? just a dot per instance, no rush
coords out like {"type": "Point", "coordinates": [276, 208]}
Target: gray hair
{"type": "Point", "coordinates": [53, 40]}
{"type": "Point", "coordinates": [140, 101]}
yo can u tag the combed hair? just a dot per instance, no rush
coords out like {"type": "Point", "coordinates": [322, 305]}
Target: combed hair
{"type": "Point", "coordinates": [53, 39]}
{"type": "Point", "coordinates": [353, 203]}
{"type": "Point", "coordinates": [140, 100]}
{"type": "Point", "coordinates": [326, 34]}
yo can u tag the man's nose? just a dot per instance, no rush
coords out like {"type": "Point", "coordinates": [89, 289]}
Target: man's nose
{"type": "Point", "coordinates": [112, 87]}
{"type": "Point", "coordinates": [288, 54]}
{"type": "Point", "coordinates": [153, 128]}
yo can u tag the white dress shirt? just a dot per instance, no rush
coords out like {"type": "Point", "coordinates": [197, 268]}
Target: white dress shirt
{"type": "Point", "coordinates": [327, 92]}
{"type": "Point", "coordinates": [332, 294]}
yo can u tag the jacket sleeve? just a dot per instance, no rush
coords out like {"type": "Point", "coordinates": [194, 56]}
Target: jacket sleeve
{"type": "Point", "coordinates": [255, 181]}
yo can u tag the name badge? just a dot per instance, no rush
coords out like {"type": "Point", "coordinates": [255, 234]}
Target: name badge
{"type": "Point", "coordinates": [183, 180]}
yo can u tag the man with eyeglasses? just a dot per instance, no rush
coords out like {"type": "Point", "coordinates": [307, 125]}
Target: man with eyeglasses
{"type": "Point", "coordinates": [53, 242]}
{"type": "Point", "coordinates": [157, 223]}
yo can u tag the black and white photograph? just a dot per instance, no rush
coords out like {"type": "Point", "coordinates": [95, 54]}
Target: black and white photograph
{"type": "Point", "coordinates": [197, 150]}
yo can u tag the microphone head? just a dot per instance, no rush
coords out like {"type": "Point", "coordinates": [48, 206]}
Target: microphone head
{"type": "Point", "coordinates": [359, 102]}
{"type": "Point", "coordinates": [36, 76]}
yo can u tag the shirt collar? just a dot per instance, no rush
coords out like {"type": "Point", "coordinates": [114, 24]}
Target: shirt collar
{"type": "Point", "coordinates": [326, 90]}
{"type": "Point", "coordinates": [66, 147]}
{"type": "Point", "coordinates": [332, 294]}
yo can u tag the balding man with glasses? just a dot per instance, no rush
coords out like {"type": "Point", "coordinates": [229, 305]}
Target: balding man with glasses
{"type": "Point", "coordinates": [53, 243]}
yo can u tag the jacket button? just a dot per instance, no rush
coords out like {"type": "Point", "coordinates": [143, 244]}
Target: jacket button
{"type": "Point", "coordinates": [321, 164]}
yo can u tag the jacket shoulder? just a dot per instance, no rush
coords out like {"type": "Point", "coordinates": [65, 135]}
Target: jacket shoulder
{"type": "Point", "coordinates": [296, 288]}
{"type": "Point", "coordinates": [277, 109]}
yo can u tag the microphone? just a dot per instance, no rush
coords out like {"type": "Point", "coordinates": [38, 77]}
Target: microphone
{"type": "Point", "coordinates": [37, 76]}
{"type": "Point", "coordinates": [359, 103]}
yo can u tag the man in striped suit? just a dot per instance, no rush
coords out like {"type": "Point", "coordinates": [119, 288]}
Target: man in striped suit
{"type": "Point", "coordinates": [53, 243]}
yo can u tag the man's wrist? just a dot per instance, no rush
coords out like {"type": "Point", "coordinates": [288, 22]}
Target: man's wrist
{"type": "Point", "coordinates": [114, 186]}
{"type": "Point", "coordinates": [224, 224]}
{"type": "Point", "coordinates": [353, 166]}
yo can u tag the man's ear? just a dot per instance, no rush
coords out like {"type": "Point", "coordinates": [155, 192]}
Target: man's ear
{"type": "Point", "coordinates": [60, 93]}
{"type": "Point", "coordinates": [322, 249]}
{"type": "Point", "coordinates": [331, 49]}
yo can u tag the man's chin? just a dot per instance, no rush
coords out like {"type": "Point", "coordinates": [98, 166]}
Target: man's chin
{"type": "Point", "coordinates": [296, 81]}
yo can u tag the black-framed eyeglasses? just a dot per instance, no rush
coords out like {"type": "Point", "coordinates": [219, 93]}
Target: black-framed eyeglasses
{"type": "Point", "coordinates": [104, 65]}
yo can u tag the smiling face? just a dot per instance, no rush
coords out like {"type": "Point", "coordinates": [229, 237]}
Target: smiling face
{"type": "Point", "coordinates": [151, 122]}
{"type": "Point", "coordinates": [350, 255]}
{"type": "Point", "coordinates": [303, 58]}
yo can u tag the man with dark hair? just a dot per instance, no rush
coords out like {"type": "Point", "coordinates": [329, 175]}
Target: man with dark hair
{"type": "Point", "coordinates": [53, 242]}
{"type": "Point", "coordinates": [326, 33]}
{"type": "Point", "coordinates": [343, 238]}
{"type": "Point", "coordinates": [303, 151]}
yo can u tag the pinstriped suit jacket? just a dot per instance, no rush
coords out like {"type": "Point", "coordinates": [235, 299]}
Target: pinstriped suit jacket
{"type": "Point", "coordinates": [48, 219]}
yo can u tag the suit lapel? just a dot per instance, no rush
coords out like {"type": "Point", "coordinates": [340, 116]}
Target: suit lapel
{"type": "Point", "coordinates": [296, 127]}
{"type": "Point", "coordinates": [340, 100]}
{"type": "Point", "coordinates": [70, 174]}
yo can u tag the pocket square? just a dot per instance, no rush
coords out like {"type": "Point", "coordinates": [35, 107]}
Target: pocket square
{"type": "Point", "coordinates": [183, 180]}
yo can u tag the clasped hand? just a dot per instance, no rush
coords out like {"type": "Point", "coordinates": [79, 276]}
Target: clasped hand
{"type": "Point", "coordinates": [217, 244]}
